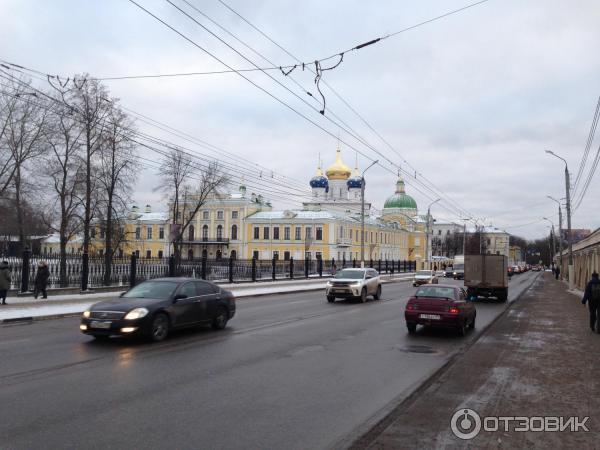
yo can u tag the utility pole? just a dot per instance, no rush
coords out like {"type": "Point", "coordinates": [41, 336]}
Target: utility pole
{"type": "Point", "coordinates": [427, 251]}
{"type": "Point", "coordinates": [559, 235]}
{"type": "Point", "coordinates": [362, 214]}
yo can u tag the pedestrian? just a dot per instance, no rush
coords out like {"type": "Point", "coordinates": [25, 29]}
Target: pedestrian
{"type": "Point", "coordinates": [557, 272]}
{"type": "Point", "coordinates": [41, 280]}
{"type": "Point", "coordinates": [4, 281]}
{"type": "Point", "coordinates": [592, 295]}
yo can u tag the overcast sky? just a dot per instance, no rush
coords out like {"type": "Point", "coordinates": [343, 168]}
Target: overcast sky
{"type": "Point", "coordinates": [471, 101]}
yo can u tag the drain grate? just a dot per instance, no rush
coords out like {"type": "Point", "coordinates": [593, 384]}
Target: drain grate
{"type": "Point", "coordinates": [418, 349]}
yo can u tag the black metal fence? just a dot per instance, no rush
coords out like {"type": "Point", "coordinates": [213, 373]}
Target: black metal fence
{"type": "Point", "coordinates": [86, 272]}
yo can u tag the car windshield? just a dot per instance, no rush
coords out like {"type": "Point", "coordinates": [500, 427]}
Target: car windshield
{"type": "Point", "coordinates": [424, 272]}
{"type": "Point", "coordinates": [439, 292]}
{"type": "Point", "coordinates": [352, 274]}
{"type": "Point", "coordinates": [152, 289]}
{"type": "Point", "coordinates": [459, 266]}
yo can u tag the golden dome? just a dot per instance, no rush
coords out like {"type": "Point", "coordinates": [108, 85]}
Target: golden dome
{"type": "Point", "coordinates": [338, 170]}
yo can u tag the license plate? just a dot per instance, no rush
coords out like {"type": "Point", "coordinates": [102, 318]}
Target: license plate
{"type": "Point", "coordinates": [429, 316]}
{"type": "Point", "coordinates": [103, 325]}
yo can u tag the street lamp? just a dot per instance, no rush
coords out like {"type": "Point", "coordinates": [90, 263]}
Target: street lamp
{"type": "Point", "coordinates": [427, 252]}
{"type": "Point", "coordinates": [553, 241]}
{"type": "Point", "coordinates": [362, 214]}
{"type": "Point", "coordinates": [559, 233]}
{"type": "Point", "coordinates": [568, 189]}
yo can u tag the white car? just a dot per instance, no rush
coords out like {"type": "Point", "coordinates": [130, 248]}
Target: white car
{"type": "Point", "coordinates": [354, 283]}
{"type": "Point", "coordinates": [425, 277]}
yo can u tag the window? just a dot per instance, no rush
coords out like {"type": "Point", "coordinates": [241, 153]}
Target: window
{"type": "Point", "coordinates": [160, 254]}
{"type": "Point", "coordinates": [256, 233]}
{"type": "Point", "coordinates": [120, 253]}
{"type": "Point", "coordinates": [276, 233]}
{"type": "Point", "coordinates": [138, 232]}
{"type": "Point", "coordinates": [307, 255]}
{"type": "Point", "coordinates": [205, 215]}
{"type": "Point", "coordinates": [286, 255]}
{"type": "Point", "coordinates": [101, 252]}
{"type": "Point", "coordinates": [234, 232]}
{"type": "Point", "coordinates": [341, 232]}
{"type": "Point", "coordinates": [178, 215]}
{"type": "Point", "coordinates": [219, 232]}
{"type": "Point", "coordinates": [204, 288]}
{"type": "Point", "coordinates": [319, 233]}
{"type": "Point", "coordinates": [255, 254]}
{"type": "Point", "coordinates": [188, 289]}
{"type": "Point", "coordinates": [275, 255]}
{"type": "Point", "coordinates": [319, 255]}
{"type": "Point", "coordinates": [439, 232]}
{"type": "Point", "coordinates": [137, 253]}
{"type": "Point", "coordinates": [205, 233]}
{"type": "Point", "coordinates": [148, 254]}
{"type": "Point", "coordinates": [219, 215]}
{"type": "Point", "coordinates": [149, 232]}
{"type": "Point", "coordinates": [101, 233]}
{"type": "Point", "coordinates": [308, 232]}
{"type": "Point", "coordinates": [350, 234]}
{"type": "Point", "coordinates": [161, 233]}
{"type": "Point", "coordinates": [93, 233]}
{"type": "Point", "coordinates": [191, 233]}
{"type": "Point", "coordinates": [266, 233]}
{"type": "Point", "coordinates": [286, 233]}
{"type": "Point", "coordinates": [298, 233]}
{"type": "Point", "coordinates": [234, 214]}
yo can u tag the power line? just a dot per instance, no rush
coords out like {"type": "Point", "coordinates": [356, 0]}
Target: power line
{"type": "Point", "coordinates": [588, 144]}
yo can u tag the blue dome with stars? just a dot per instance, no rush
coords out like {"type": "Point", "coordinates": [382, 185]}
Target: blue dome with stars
{"type": "Point", "coordinates": [319, 181]}
{"type": "Point", "coordinates": [354, 183]}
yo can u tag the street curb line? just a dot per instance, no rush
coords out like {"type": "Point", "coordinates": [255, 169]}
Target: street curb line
{"type": "Point", "coordinates": [27, 319]}
{"type": "Point", "coordinates": [381, 420]}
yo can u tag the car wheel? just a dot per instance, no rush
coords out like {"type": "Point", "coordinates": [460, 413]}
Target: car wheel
{"type": "Point", "coordinates": [160, 327]}
{"type": "Point", "coordinates": [331, 298]}
{"type": "Point", "coordinates": [377, 295]}
{"type": "Point", "coordinates": [220, 320]}
{"type": "Point", "coordinates": [462, 329]}
{"type": "Point", "coordinates": [363, 295]}
{"type": "Point", "coordinates": [472, 324]}
{"type": "Point", "coordinates": [412, 327]}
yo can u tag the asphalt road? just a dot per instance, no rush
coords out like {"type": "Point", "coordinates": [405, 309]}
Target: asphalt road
{"type": "Point", "coordinates": [290, 371]}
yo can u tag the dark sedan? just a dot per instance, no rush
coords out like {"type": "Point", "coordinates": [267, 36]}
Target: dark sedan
{"type": "Point", "coordinates": [440, 306]}
{"type": "Point", "coordinates": [154, 307]}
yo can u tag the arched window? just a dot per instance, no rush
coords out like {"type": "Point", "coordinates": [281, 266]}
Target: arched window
{"type": "Point", "coordinates": [218, 254]}
{"type": "Point", "coordinates": [233, 254]}
{"type": "Point", "coordinates": [204, 254]}
{"type": "Point", "coordinates": [191, 233]}
{"type": "Point", "coordinates": [234, 232]}
{"type": "Point", "coordinates": [205, 232]}
{"type": "Point", "coordinates": [219, 232]}
{"type": "Point", "coordinates": [190, 254]}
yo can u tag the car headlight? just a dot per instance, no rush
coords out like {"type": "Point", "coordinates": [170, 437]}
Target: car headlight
{"type": "Point", "coordinates": [356, 283]}
{"type": "Point", "coordinates": [86, 314]}
{"type": "Point", "coordinates": [329, 284]}
{"type": "Point", "coordinates": [136, 313]}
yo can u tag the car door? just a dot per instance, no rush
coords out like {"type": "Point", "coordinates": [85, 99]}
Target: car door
{"type": "Point", "coordinates": [185, 307]}
{"type": "Point", "coordinates": [208, 297]}
{"type": "Point", "coordinates": [372, 282]}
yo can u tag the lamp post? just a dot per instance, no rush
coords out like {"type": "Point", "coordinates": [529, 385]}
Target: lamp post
{"type": "Point", "coordinates": [553, 249]}
{"type": "Point", "coordinates": [559, 234]}
{"type": "Point", "coordinates": [362, 214]}
{"type": "Point", "coordinates": [568, 189]}
{"type": "Point", "coordinates": [427, 252]}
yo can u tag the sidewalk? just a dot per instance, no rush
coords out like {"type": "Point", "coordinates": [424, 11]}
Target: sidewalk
{"type": "Point", "coordinates": [66, 304]}
{"type": "Point", "coordinates": [539, 359]}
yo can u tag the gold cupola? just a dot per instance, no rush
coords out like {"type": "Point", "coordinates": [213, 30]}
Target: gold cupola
{"type": "Point", "coordinates": [338, 170]}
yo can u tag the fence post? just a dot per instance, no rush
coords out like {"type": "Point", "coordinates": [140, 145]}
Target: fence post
{"type": "Point", "coordinates": [332, 265]}
{"type": "Point", "coordinates": [171, 266]}
{"type": "Point", "coordinates": [132, 270]}
{"type": "Point", "coordinates": [386, 266]}
{"type": "Point", "coordinates": [306, 261]}
{"type": "Point", "coordinates": [85, 271]}
{"type": "Point", "coordinates": [405, 266]}
{"type": "Point", "coordinates": [354, 262]}
{"type": "Point", "coordinates": [320, 267]}
{"type": "Point", "coordinates": [25, 271]}
{"type": "Point", "coordinates": [203, 268]}
{"type": "Point", "coordinates": [253, 269]}
{"type": "Point", "coordinates": [273, 268]}
{"type": "Point", "coordinates": [344, 261]}
{"type": "Point", "coordinates": [371, 263]}
{"type": "Point", "coordinates": [230, 269]}
{"type": "Point", "coordinates": [392, 264]}
{"type": "Point", "coordinates": [291, 268]}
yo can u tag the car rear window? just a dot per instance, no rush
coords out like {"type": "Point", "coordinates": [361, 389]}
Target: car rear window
{"type": "Point", "coordinates": [434, 291]}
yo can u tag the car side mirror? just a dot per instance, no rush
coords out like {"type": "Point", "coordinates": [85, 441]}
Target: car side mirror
{"type": "Point", "coordinates": [180, 297]}
{"type": "Point", "coordinates": [121, 294]}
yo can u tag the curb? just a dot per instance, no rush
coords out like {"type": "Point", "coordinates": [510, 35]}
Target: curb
{"type": "Point", "coordinates": [375, 426]}
{"type": "Point", "coordinates": [28, 319]}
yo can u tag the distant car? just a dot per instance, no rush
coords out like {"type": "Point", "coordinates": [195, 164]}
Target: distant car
{"type": "Point", "coordinates": [458, 272]}
{"type": "Point", "coordinates": [443, 306]}
{"type": "Point", "coordinates": [424, 277]}
{"type": "Point", "coordinates": [449, 272]}
{"type": "Point", "coordinates": [155, 307]}
{"type": "Point", "coordinates": [354, 283]}
{"type": "Point", "coordinates": [516, 269]}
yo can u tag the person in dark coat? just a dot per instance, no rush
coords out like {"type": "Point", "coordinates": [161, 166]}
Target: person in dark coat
{"type": "Point", "coordinates": [41, 280]}
{"type": "Point", "coordinates": [557, 272]}
{"type": "Point", "coordinates": [592, 295]}
{"type": "Point", "coordinates": [4, 281]}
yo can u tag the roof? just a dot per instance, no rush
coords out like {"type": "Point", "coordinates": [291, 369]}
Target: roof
{"type": "Point", "coordinates": [152, 217]}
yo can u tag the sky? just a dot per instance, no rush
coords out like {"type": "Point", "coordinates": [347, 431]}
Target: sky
{"type": "Point", "coordinates": [469, 102]}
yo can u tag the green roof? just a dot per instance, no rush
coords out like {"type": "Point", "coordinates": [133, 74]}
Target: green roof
{"type": "Point", "coordinates": [400, 201]}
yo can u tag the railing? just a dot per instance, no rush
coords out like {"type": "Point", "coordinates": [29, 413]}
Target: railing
{"type": "Point", "coordinates": [207, 240]}
{"type": "Point", "coordinates": [345, 242]}
{"type": "Point", "coordinates": [87, 272]}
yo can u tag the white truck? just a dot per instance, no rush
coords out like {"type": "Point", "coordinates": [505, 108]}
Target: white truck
{"type": "Point", "coordinates": [486, 276]}
{"type": "Point", "coordinates": [458, 267]}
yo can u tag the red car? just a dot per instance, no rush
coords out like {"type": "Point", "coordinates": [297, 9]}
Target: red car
{"type": "Point", "coordinates": [443, 306]}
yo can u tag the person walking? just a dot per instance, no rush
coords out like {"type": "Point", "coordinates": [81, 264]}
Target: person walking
{"type": "Point", "coordinates": [592, 295]}
{"type": "Point", "coordinates": [4, 281]}
{"type": "Point", "coordinates": [41, 280]}
{"type": "Point", "coordinates": [557, 272]}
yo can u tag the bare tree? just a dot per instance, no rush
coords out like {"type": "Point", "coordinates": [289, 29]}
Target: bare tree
{"type": "Point", "coordinates": [9, 99]}
{"type": "Point", "coordinates": [116, 177]}
{"type": "Point", "coordinates": [186, 196]}
{"type": "Point", "coordinates": [64, 166]}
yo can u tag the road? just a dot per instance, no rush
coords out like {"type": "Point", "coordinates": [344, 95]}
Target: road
{"type": "Point", "coordinates": [290, 371]}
